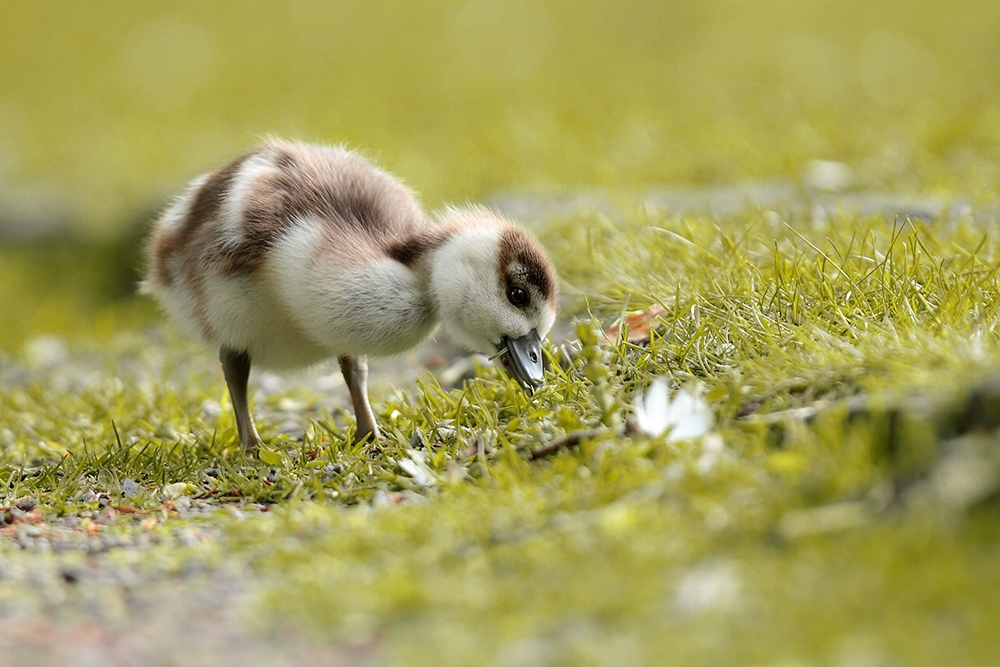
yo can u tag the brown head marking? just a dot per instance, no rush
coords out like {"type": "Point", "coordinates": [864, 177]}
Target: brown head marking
{"type": "Point", "coordinates": [517, 246]}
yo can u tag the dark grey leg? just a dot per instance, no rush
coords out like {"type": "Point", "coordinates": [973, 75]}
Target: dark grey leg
{"type": "Point", "coordinates": [236, 367]}
{"type": "Point", "coordinates": [355, 370]}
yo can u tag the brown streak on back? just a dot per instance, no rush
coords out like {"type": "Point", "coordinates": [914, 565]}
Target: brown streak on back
{"type": "Point", "coordinates": [341, 190]}
{"type": "Point", "coordinates": [204, 208]}
{"type": "Point", "coordinates": [407, 250]}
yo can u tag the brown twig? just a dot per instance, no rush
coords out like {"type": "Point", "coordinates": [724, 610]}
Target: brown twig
{"type": "Point", "coordinates": [571, 440]}
{"type": "Point", "coordinates": [574, 439]}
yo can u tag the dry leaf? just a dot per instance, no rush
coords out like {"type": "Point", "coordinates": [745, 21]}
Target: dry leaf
{"type": "Point", "coordinates": [641, 324]}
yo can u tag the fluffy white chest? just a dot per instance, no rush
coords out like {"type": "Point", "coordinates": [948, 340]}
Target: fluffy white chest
{"type": "Point", "coordinates": [377, 307]}
{"type": "Point", "coordinates": [289, 321]}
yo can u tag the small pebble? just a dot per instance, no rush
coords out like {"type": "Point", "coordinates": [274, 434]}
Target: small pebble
{"type": "Point", "coordinates": [26, 530]}
{"type": "Point", "coordinates": [417, 440]}
{"type": "Point", "coordinates": [26, 504]}
{"type": "Point", "coordinates": [96, 546]}
{"type": "Point", "coordinates": [130, 488]}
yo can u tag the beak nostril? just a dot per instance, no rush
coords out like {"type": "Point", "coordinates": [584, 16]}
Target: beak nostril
{"type": "Point", "coordinates": [522, 357]}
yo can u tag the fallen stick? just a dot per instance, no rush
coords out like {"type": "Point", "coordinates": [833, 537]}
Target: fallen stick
{"type": "Point", "coordinates": [571, 440]}
{"type": "Point", "coordinates": [574, 439]}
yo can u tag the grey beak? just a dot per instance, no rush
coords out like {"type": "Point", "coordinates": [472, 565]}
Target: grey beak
{"type": "Point", "coordinates": [523, 359]}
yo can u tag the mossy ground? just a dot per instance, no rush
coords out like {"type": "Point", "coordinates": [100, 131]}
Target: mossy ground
{"type": "Point", "coordinates": [844, 508]}
{"type": "Point", "coordinates": [870, 527]}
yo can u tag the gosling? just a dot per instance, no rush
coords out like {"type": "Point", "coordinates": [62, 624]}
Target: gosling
{"type": "Point", "coordinates": [293, 254]}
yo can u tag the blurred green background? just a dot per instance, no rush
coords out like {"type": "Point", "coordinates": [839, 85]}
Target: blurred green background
{"type": "Point", "coordinates": [107, 108]}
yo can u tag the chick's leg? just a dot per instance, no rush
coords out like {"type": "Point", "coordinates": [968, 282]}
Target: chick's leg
{"type": "Point", "coordinates": [236, 367]}
{"type": "Point", "coordinates": [355, 370]}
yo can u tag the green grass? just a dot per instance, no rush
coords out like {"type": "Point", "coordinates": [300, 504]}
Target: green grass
{"type": "Point", "coordinates": [774, 538]}
{"type": "Point", "coordinates": [844, 509]}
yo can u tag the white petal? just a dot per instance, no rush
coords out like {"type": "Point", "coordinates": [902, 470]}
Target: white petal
{"type": "Point", "coordinates": [652, 411]}
{"type": "Point", "coordinates": [690, 417]}
{"type": "Point", "coordinates": [687, 415]}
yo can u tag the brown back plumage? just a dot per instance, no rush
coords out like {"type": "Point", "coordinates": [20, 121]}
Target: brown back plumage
{"type": "Point", "coordinates": [338, 188]}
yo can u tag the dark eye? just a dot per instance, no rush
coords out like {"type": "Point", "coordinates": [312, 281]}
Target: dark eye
{"type": "Point", "coordinates": [517, 296]}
